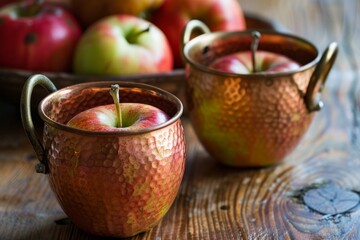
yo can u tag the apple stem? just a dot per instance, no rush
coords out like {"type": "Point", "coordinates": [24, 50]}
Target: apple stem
{"type": "Point", "coordinates": [114, 92]}
{"type": "Point", "coordinates": [134, 35]}
{"type": "Point", "coordinates": [254, 46]}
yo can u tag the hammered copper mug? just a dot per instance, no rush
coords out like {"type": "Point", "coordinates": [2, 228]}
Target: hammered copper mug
{"type": "Point", "coordinates": [251, 120]}
{"type": "Point", "coordinates": [108, 183]}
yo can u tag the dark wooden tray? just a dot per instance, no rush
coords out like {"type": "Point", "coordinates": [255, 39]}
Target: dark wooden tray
{"type": "Point", "coordinates": [12, 81]}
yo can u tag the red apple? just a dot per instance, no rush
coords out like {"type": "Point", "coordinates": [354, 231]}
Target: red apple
{"type": "Point", "coordinates": [90, 11]}
{"type": "Point", "coordinates": [241, 63]}
{"type": "Point", "coordinates": [118, 117]}
{"type": "Point", "coordinates": [104, 118]}
{"type": "Point", "coordinates": [254, 61]}
{"type": "Point", "coordinates": [218, 15]}
{"type": "Point", "coordinates": [123, 44]}
{"type": "Point", "coordinates": [39, 37]}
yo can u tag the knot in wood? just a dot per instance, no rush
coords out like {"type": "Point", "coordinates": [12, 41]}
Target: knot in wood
{"type": "Point", "coordinates": [331, 199]}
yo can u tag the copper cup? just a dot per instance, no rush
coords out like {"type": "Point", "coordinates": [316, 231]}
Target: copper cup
{"type": "Point", "coordinates": [109, 184]}
{"type": "Point", "coordinates": [251, 120]}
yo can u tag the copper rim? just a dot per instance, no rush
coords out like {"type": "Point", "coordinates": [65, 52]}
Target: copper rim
{"type": "Point", "coordinates": [209, 37]}
{"type": "Point", "coordinates": [106, 84]}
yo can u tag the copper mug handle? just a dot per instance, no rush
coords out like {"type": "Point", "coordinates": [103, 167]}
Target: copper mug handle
{"type": "Point", "coordinates": [318, 78]}
{"type": "Point", "coordinates": [25, 110]}
{"type": "Point", "coordinates": [190, 27]}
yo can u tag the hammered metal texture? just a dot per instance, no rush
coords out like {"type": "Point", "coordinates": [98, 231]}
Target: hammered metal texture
{"type": "Point", "coordinates": [247, 120]}
{"type": "Point", "coordinates": [113, 185]}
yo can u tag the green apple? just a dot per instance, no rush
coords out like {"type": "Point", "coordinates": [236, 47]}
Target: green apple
{"type": "Point", "coordinates": [122, 44]}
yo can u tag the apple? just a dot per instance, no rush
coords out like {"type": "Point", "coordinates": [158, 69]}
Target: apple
{"type": "Point", "coordinates": [134, 116]}
{"type": "Point", "coordinates": [90, 11]}
{"type": "Point", "coordinates": [218, 15]}
{"type": "Point", "coordinates": [122, 44]}
{"type": "Point", "coordinates": [37, 36]}
{"type": "Point", "coordinates": [254, 61]}
{"type": "Point", "coordinates": [241, 63]}
{"type": "Point", "coordinates": [118, 117]}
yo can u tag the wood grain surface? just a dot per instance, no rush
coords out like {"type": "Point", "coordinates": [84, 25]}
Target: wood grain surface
{"type": "Point", "coordinates": [219, 202]}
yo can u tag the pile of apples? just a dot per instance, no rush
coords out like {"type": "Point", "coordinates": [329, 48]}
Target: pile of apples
{"type": "Point", "coordinates": [105, 37]}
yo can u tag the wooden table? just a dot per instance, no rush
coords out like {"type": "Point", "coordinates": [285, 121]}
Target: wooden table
{"type": "Point", "coordinates": [312, 195]}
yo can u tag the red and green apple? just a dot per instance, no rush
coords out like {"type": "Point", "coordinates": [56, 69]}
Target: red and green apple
{"type": "Point", "coordinates": [118, 117]}
{"type": "Point", "coordinates": [122, 44]}
{"type": "Point", "coordinates": [254, 61]}
{"type": "Point", "coordinates": [241, 63]}
{"type": "Point", "coordinates": [172, 16]}
{"type": "Point", "coordinates": [37, 36]}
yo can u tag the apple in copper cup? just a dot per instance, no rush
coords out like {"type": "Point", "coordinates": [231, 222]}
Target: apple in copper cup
{"type": "Point", "coordinates": [254, 61]}
{"type": "Point", "coordinates": [114, 161]}
{"type": "Point", "coordinates": [251, 95]}
{"type": "Point", "coordinates": [118, 117]}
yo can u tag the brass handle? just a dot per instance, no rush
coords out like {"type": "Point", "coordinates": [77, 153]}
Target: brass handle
{"type": "Point", "coordinates": [25, 110]}
{"type": "Point", "coordinates": [190, 27]}
{"type": "Point", "coordinates": [318, 78]}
